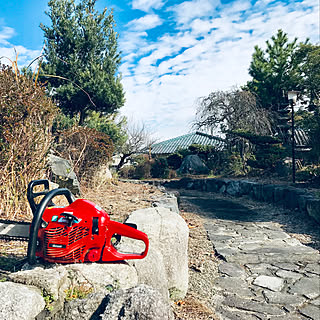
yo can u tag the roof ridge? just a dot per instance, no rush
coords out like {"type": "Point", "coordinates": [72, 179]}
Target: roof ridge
{"type": "Point", "coordinates": [174, 139]}
{"type": "Point", "coordinates": [183, 142]}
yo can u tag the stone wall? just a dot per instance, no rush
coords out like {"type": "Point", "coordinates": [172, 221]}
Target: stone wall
{"type": "Point", "coordinates": [286, 196]}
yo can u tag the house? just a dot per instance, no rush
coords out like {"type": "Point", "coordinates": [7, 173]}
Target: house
{"type": "Point", "coordinates": [170, 146]}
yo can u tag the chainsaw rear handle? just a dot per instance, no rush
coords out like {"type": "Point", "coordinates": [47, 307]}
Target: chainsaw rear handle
{"type": "Point", "coordinates": [31, 195]}
{"type": "Point", "coordinates": [110, 253]}
{"type": "Point", "coordinates": [37, 218]}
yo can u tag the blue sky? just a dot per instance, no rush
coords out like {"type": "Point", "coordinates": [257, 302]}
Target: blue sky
{"type": "Point", "coordinates": [173, 51]}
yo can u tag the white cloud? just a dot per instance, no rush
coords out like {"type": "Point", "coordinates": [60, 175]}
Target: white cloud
{"type": "Point", "coordinates": [147, 22]}
{"type": "Point", "coordinates": [10, 51]}
{"type": "Point", "coordinates": [189, 10]}
{"type": "Point", "coordinates": [25, 56]}
{"type": "Point", "coordinates": [210, 50]}
{"type": "Point", "coordinates": [5, 34]}
{"type": "Point", "coordinates": [200, 26]}
{"type": "Point", "coordinates": [146, 5]}
{"type": "Point", "coordinates": [131, 42]}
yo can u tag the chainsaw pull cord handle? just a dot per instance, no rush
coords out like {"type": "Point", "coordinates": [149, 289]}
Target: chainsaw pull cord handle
{"type": "Point", "coordinates": [37, 218]}
{"type": "Point", "coordinates": [31, 195]}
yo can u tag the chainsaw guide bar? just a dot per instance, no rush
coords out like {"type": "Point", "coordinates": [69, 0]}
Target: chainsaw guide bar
{"type": "Point", "coordinates": [14, 230]}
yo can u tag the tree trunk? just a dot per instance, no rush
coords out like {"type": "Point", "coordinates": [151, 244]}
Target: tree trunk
{"type": "Point", "coordinates": [122, 161]}
{"type": "Point", "coordinates": [82, 117]}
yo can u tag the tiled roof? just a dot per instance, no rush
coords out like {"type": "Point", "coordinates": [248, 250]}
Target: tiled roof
{"type": "Point", "coordinates": [183, 142]}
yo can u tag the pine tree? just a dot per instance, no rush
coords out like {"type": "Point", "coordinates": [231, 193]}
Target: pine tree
{"type": "Point", "coordinates": [310, 69]}
{"type": "Point", "coordinates": [309, 57]}
{"type": "Point", "coordinates": [274, 71]}
{"type": "Point", "coordinates": [82, 57]}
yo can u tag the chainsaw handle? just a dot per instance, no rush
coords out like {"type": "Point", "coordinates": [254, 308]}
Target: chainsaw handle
{"type": "Point", "coordinates": [111, 254]}
{"type": "Point", "coordinates": [37, 218]}
{"type": "Point", "coordinates": [31, 195]}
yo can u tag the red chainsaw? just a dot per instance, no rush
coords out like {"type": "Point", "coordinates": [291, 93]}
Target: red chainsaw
{"type": "Point", "coordinates": [79, 232]}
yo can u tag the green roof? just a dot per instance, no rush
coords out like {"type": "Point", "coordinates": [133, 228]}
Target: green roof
{"type": "Point", "coordinates": [183, 142]}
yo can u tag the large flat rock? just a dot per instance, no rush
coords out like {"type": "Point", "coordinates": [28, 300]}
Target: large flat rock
{"type": "Point", "coordinates": [18, 301]}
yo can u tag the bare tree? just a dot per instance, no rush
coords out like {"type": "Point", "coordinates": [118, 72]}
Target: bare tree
{"type": "Point", "coordinates": [139, 138]}
{"type": "Point", "coordinates": [232, 110]}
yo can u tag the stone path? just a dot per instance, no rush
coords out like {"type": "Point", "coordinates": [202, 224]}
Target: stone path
{"type": "Point", "coordinates": [264, 273]}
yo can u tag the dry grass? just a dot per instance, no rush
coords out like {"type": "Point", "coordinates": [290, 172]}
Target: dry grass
{"type": "Point", "coordinates": [26, 115]}
{"type": "Point", "coordinates": [119, 199]}
{"type": "Point", "coordinates": [86, 149]}
{"type": "Point", "coordinates": [192, 309]}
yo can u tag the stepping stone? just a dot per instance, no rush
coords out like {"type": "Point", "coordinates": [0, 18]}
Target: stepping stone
{"type": "Point", "coordinates": [233, 285]}
{"type": "Point", "coordinates": [312, 312]}
{"type": "Point", "coordinates": [253, 306]}
{"type": "Point", "coordinates": [271, 283]}
{"type": "Point", "coordinates": [288, 274]}
{"type": "Point", "coordinates": [283, 298]}
{"type": "Point", "coordinates": [232, 270]}
{"type": "Point", "coordinates": [309, 287]}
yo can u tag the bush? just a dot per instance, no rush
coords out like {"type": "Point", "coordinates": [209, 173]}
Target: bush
{"type": "Point", "coordinates": [127, 172]}
{"type": "Point", "coordinates": [174, 161]}
{"type": "Point", "coordinates": [159, 168]}
{"type": "Point", "coordinates": [228, 163]}
{"type": "Point", "coordinates": [184, 152]}
{"type": "Point", "coordinates": [87, 149]}
{"type": "Point", "coordinates": [142, 170]}
{"type": "Point", "coordinates": [108, 125]}
{"type": "Point", "coordinates": [308, 173]}
{"type": "Point", "coordinates": [304, 175]}
{"type": "Point", "coordinates": [203, 151]}
{"type": "Point", "coordinates": [267, 150]}
{"type": "Point", "coordinates": [267, 156]}
{"type": "Point", "coordinates": [172, 174]}
{"type": "Point", "coordinates": [63, 122]}
{"type": "Point", "coordinates": [26, 116]}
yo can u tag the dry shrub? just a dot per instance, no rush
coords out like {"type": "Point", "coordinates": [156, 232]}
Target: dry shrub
{"type": "Point", "coordinates": [26, 116]}
{"type": "Point", "coordinates": [142, 171]}
{"type": "Point", "coordinates": [172, 174]}
{"type": "Point", "coordinates": [87, 149]}
{"type": "Point", "coordinates": [127, 172]}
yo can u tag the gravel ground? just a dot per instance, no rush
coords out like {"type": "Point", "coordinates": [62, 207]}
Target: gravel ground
{"type": "Point", "coordinates": [202, 270]}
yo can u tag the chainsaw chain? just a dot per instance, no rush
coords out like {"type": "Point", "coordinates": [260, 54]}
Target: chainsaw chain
{"type": "Point", "coordinates": [12, 238]}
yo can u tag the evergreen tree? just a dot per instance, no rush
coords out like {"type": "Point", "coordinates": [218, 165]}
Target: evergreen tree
{"type": "Point", "coordinates": [274, 71]}
{"type": "Point", "coordinates": [309, 56]}
{"type": "Point", "coordinates": [82, 55]}
{"type": "Point", "coordinates": [267, 152]}
{"type": "Point", "coordinates": [113, 126]}
{"type": "Point", "coordinates": [309, 68]}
